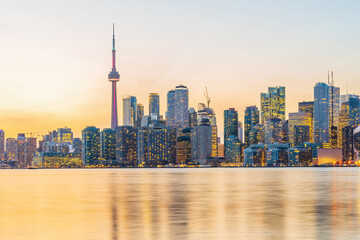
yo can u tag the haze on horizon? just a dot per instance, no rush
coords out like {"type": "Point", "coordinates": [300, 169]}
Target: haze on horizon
{"type": "Point", "coordinates": [55, 56]}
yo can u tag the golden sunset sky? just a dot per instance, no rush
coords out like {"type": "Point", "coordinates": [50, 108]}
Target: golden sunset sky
{"type": "Point", "coordinates": [55, 55]}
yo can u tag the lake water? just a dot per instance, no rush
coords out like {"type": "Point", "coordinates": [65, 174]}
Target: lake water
{"type": "Point", "coordinates": [211, 203]}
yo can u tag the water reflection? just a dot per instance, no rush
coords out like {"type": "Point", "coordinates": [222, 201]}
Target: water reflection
{"type": "Point", "coordinates": [277, 203]}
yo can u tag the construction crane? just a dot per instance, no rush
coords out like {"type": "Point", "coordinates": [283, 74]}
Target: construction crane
{"type": "Point", "coordinates": [206, 94]}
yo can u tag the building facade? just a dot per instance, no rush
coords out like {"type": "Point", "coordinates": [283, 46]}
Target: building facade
{"type": "Point", "coordinates": [273, 104]}
{"type": "Point", "coordinates": [90, 145]}
{"type": "Point", "coordinates": [129, 110]}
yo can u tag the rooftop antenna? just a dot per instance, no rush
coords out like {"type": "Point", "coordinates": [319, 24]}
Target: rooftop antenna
{"type": "Point", "coordinates": [328, 77]}
{"type": "Point", "coordinates": [207, 97]}
{"type": "Point", "coordinates": [332, 78]}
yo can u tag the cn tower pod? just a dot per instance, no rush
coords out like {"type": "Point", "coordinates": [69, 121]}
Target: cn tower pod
{"type": "Point", "coordinates": [114, 76]}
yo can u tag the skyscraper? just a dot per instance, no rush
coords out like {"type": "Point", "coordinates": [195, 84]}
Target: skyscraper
{"type": "Point", "coordinates": [64, 135]}
{"type": "Point", "coordinates": [273, 131]}
{"type": "Point", "coordinates": [208, 113]}
{"type": "Point", "coordinates": [20, 149]}
{"type": "Point", "coordinates": [202, 141]}
{"type": "Point", "coordinates": [230, 123]}
{"type": "Point", "coordinates": [230, 126]}
{"type": "Point", "coordinates": [192, 117]}
{"type": "Point", "coordinates": [251, 119]}
{"type": "Point", "coordinates": [348, 143]}
{"type": "Point", "coordinates": [257, 135]}
{"type": "Point", "coordinates": [334, 105]}
{"type": "Point", "coordinates": [301, 134]}
{"type": "Point", "coordinates": [240, 131]}
{"type": "Point", "coordinates": [183, 146]}
{"type": "Point", "coordinates": [233, 149]}
{"type": "Point", "coordinates": [349, 114]}
{"type": "Point", "coordinates": [170, 113]}
{"type": "Point", "coordinates": [154, 104]}
{"type": "Point", "coordinates": [114, 77]}
{"type": "Point", "coordinates": [321, 113]}
{"type": "Point", "coordinates": [334, 110]}
{"type": "Point", "coordinates": [90, 145]}
{"type": "Point", "coordinates": [307, 106]}
{"type": "Point", "coordinates": [129, 110]}
{"type": "Point", "coordinates": [126, 146]}
{"type": "Point", "coordinates": [11, 147]}
{"type": "Point", "coordinates": [30, 150]}
{"type": "Point", "coordinates": [139, 114]}
{"type": "Point", "coordinates": [77, 145]}
{"type": "Point", "coordinates": [181, 106]}
{"type": "Point", "coordinates": [157, 145]}
{"type": "Point", "coordinates": [108, 144]}
{"type": "Point", "coordinates": [273, 104]}
{"type": "Point", "coordinates": [298, 119]}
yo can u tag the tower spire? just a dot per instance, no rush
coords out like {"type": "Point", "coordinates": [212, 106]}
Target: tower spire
{"type": "Point", "coordinates": [113, 50]}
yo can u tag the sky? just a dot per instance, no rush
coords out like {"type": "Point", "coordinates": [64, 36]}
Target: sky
{"type": "Point", "coordinates": [55, 55]}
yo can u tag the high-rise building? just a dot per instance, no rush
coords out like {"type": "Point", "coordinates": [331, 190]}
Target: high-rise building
{"type": "Point", "coordinates": [90, 145]}
{"type": "Point", "coordinates": [299, 119]}
{"type": "Point", "coordinates": [11, 147]}
{"type": "Point", "coordinates": [53, 136]}
{"type": "Point", "coordinates": [77, 145]}
{"type": "Point", "coordinates": [183, 151]}
{"type": "Point", "coordinates": [257, 135]}
{"type": "Point", "coordinates": [345, 97]}
{"type": "Point", "coordinates": [20, 149]}
{"type": "Point", "coordinates": [273, 104]}
{"type": "Point", "coordinates": [354, 111]}
{"type": "Point", "coordinates": [192, 117]}
{"type": "Point", "coordinates": [285, 132]}
{"type": "Point", "coordinates": [64, 135]}
{"type": "Point", "coordinates": [181, 106]}
{"type": "Point", "coordinates": [326, 113]}
{"type": "Point", "coordinates": [348, 143]}
{"type": "Point", "coordinates": [307, 106]}
{"type": "Point", "coordinates": [209, 114]}
{"type": "Point", "coordinates": [157, 145]}
{"type": "Point", "coordinates": [230, 126]}
{"type": "Point", "coordinates": [334, 110]}
{"type": "Point", "coordinates": [126, 146]}
{"type": "Point", "coordinates": [321, 113]}
{"type": "Point", "coordinates": [334, 106]}
{"type": "Point", "coordinates": [139, 114]}
{"type": "Point", "coordinates": [154, 104]}
{"type": "Point", "coordinates": [273, 131]}
{"type": "Point", "coordinates": [251, 119]}
{"type": "Point", "coordinates": [170, 113]}
{"type": "Point", "coordinates": [108, 144]}
{"type": "Point", "coordinates": [114, 77]}
{"type": "Point", "coordinates": [30, 150]}
{"type": "Point", "coordinates": [240, 131]}
{"type": "Point", "coordinates": [202, 142]}
{"type": "Point", "coordinates": [349, 114]}
{"type": "Point", "coordinates": [232, 149]}
{"type": "Point", "coordinates": [301, 134]}
{"type": "Point", "coordinates": [2, 145]}
{"type": "Point", "coordinates": [230, 123]}
{"type": "Point", "coordinates": [129, 110]}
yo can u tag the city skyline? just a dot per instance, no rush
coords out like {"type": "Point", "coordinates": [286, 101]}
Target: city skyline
{"type": "Point", "coordinates": [61, 80]}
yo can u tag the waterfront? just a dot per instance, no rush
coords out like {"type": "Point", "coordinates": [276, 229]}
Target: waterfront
{"type": "Point", "coordinates": [209, 203]}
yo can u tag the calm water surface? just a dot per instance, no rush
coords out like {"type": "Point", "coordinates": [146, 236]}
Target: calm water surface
{"type": "Point", "coordinates": [215, 203]}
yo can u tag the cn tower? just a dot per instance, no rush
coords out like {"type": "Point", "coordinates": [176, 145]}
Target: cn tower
{"type": "Point", "coordinates": [114, 77]}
